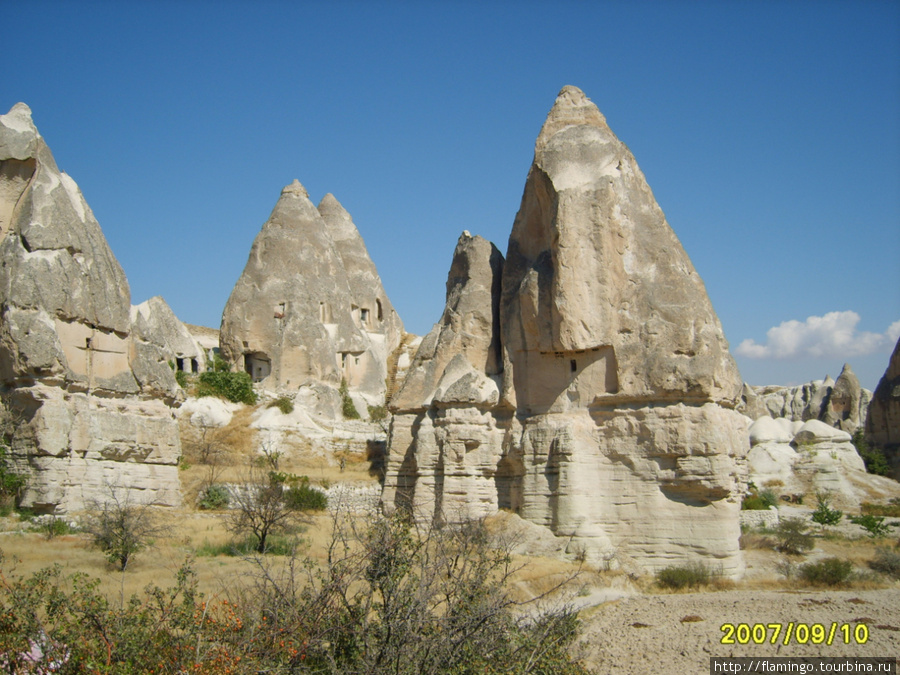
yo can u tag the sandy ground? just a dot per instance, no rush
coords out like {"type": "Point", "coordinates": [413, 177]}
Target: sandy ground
{"type": "Point", "coordinates": [678, 633]}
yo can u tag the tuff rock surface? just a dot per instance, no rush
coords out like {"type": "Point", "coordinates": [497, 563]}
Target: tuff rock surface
{"type": "Point", "coordinates": [842, 403]}
{"type": "Point", "coordinates": [606, 414]}
{"type": "Point", "coordinates": [882, 426]}
{"type": "Point", "coordinates": [806, 458]}
{"type": "Point", "coordinates": [309, 308]}
{"type": "Point", "coordinates": [91, 396]}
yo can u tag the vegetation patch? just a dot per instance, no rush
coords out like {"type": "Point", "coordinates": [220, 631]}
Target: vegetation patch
{"type": "Point", "coordinates": [759, 500]}
{"type": "Point", "coordinates": [284, 403]}
{"type": "Point", "coordinates": [887, 562]}
{"type": "Point", "coordinates": [214, 497]}
{"type": "Point", "coordinates": [872, 456]}
{"type": "Point", "coordinates": [827, 572]}
{"type": "Point", "coordinates": [891, 509]}
{"type": "Point", "coordinates": [347, 408]}
{"type": "Point", "coordinates": [874, 526]}
{"type": "Point", "coordinates": [824, 515]}
{"type": "Point", "coordinates": [684, 576]}
{"type": "Point", "coordinates": [234, 387]}
{"type": "Point", "coordinates": [793, 536]}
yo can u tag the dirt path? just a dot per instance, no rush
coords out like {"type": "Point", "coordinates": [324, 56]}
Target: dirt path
{"type": "Point", "coordinates": [677, 634]}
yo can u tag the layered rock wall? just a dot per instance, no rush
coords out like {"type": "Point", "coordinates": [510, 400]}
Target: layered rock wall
{"type": "Point", "coordinates": [607, 413]}
{"type": "Point", "coordinates": [92, 398]}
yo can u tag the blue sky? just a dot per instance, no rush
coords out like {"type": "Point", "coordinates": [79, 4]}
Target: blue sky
{"type": "Point", "coordinates": [768, 131]}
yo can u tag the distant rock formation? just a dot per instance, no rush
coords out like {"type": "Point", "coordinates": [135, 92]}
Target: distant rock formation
{"type": "Point", "coordinates": [309, 308]}
{"type": "Point", "coordinates": [92, 395]}
{"type": "Point", "coordinates": [842, 403]}
{"type": "Point", "coordinates": [806, 458]}
{"type": "Point", "coordinates": [882, 427]}
{"type": "Point", "coordinates": [584, 383]}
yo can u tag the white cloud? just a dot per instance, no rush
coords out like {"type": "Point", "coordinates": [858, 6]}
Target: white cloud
{"type": "Point", "coordinates": [832, 335]}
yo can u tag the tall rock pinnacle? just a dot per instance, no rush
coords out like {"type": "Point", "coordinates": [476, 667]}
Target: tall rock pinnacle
{"type": "Point", "coordinates": [593, 266]}
{"type": "Point", "coordinates": [613, 424]}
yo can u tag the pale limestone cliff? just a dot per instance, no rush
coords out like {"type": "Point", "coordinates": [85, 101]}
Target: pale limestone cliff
{"type": "Point", "coordinates": [608, 414]}
{"type": "Point", "coordinates": [309, 309]}
{"type": "Point", "coordinates": [91, 398]}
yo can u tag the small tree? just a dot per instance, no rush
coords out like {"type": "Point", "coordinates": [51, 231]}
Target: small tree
{"type": "Point", "coordinates": [260, 509]}
{"type": "Point", "coordinates": [793, 536]}
{"type": "Point", "coordinates": [874, 526]}
{"type": "Point", "coordinates": [824, 515]}
{"type": "Point", "coordinates": [120, 527]}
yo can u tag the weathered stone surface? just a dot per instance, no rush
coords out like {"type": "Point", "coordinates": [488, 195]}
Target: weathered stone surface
{"type": "Point", "coordinates": [594, 273]}
{"type": "Point", "coordinates": [810, 457]}
{"type": "Point", "coordinates": [842, 403]}
{"type": "Point", "coordinates": [154, 323]}
{"type": "Point", "coordinates": [92, 398]}
{"type": "Point", "coordinates": [469, 327]}
{"type": "Point", "coordinates": [882, 425]}
{"type": "Point", "coordinates": [612, 423]}
{"type": "Point", "coordinates": [293, 318]}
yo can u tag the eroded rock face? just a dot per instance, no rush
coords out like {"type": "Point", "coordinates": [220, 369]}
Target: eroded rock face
{"type": "Point", "coordinates": [92, 398]}
{"type": "Point", "coordinates": [883, 421]}
{"type": "Point", "coordinates": [842, 403]}
{"type": "Point", "coordinates": [309, 307]}
{"type": "Point", "coordinates": [612, 421]}
{"type": "Point", "coordinates": [807, 458]}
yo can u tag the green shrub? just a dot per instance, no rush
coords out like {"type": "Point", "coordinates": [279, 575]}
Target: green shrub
{"type": "Point", "coordinates": [827, 572]}
{"type": "Point", "coordinates": [872, 456]}
{"type": "Point", "coordinates": [684, 576]}
{"type": "Point", "coordinates": [793, 536]}
{"type": "Point", "coordinates": [52, 527]}
{"type": "Point", "coordinates": [887, 562]}
{"type": "Point", "coordinates": [248, 546]}
{"type": "Point", "coordinates": [234, 387]}
{"type": "Point", "coordinates": [824, 514]}
{"type": "Point", "coordinates": [181, 378]}
{"type": "Point", "coordinates": [873, 525]}
{"type": "Point", "coordinates": [347, 408]}
{"type": "Point", "coordinates": [302, 497]}
{"type": "Point", "coordinates": [215, 497]}
{"type": "Point", "coordinates": [753, 503]}
{"type": "Point", "coordinates": [284, 403]}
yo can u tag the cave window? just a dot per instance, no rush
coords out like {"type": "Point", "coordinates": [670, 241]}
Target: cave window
{"type": "Point", "coordinates": [195, 366]}
{"type": "Point", "coordinates": [179, 364]}
{"type": "Point", "coordinates": [364, 316]}
{"type": "Point", "coordinates": [573, 365]}
{"type": "Point", "coordinates": [378, 310]}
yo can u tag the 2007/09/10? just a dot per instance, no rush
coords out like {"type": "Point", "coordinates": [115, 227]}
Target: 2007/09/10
{"type": "Point", "coordinates": [800, 633]}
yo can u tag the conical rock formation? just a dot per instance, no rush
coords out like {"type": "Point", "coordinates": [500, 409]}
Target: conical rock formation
{"type": "Point", "coordinates": [92, 400]}
{"type": "Point", "coordinates": [303, 315]}
{"type": "Point", "coordinates": [614, 425]}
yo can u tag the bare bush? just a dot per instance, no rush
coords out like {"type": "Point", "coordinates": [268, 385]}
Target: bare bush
{"type": "Point", "coordinates": [394, 597]}
{"type": "Point", "coordinates": [120, 526]}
